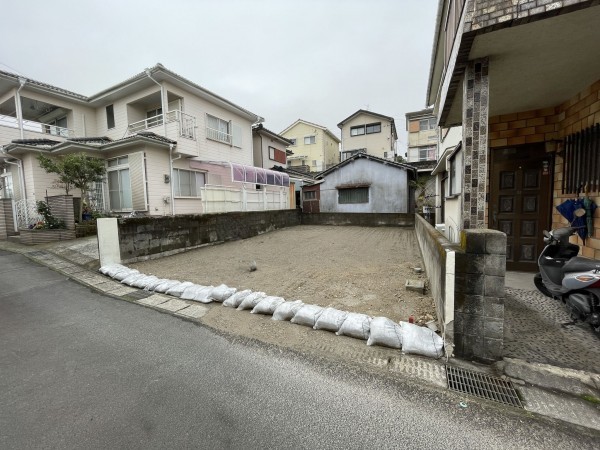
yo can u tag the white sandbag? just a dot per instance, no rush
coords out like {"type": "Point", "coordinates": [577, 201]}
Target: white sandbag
{"type": "Point", "coordinates": [385, 332]}
{"type": "Point", "coordinates": [222, 292]}
{"type": "Point", "coordinates": [237, 298]}
{"type": "Point", "coordinates": [251, 300]}
{"type": "Point", "coordinates": [331, 319]}
{"type": "Point", "coordinates": [130, 279]}
{"type": "Point", "coordinates": [307, 315]}
{"type": "Point", "coordinates": [142, 282]}
{"type": "Point", "coordinates": [166, 285]}
{"type": "Point", "coordinates": [203, 295]}
{"type": "Point", "coordinates": [178, 289]}
{"type": "Point", "coordinates": [111, 269]}
{"type": "Point", "coordinates": [267, 305]}
{"type": "Point", "coordinates": [152, 285]}
{"type": "Point", "coordinates": [287, 310]}
{"type": "Point", "coordinates": [124, 273]}
{"type": "Point", "coordinates": [421, 341]}
{"type": "Point", "coordinates": [190, 292]}
{"type": "Point", "coordinates": [356, 325]}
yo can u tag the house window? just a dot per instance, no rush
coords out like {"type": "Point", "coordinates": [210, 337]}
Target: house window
{"type": "Point", "coordinates": [277, 155]}
{"type": "Point", "coordinates": [110, 117]}
{"type": "Point", "coordinates": [426, 153]}
{"type": "Point", "coordinates": [154, 118]}
{"type": "Point", "coordinates": [218, 129]}
{"type": "Point", "coordinates": [357, 131]}
{"type": "Point", "coordinates": [310, 195]}
{"type": "Point", "coordinates": [293, 141]}
{"type": "Point", "coordinates": [310, 140]}
{"type": "Point", "coordinates": [6, 185]}
{"type": "Point", "coordinates": [353, 195]}
{"type": "Point", "coordinates": [581, 160]}
{"type": "Point", "coordinates": [385, 154]}
{"type": "Point", "coordinates": [119, 184]}
{"type": "Point", "coordinates": [427, 124]}
{"type": "Point", "coordinates": [186, 183]}
{"type": "Point", "coordinates": [374, 128]}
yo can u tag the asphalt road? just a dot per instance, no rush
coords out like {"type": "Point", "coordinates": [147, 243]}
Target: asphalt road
{"type": "Point", "coordinates": [81, 370]}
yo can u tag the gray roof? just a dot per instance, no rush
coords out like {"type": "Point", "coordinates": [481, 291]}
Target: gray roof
{"type": "Point", "coordinates": [386, 162]}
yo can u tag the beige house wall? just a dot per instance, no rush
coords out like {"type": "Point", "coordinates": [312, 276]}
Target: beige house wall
{"type": "Point", "coordinates": [322, 154]}
{"type": "Point", "coordinates": [377, 144]}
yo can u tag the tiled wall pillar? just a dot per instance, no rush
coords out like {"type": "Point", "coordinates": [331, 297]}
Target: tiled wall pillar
{"type": "Point", "coordinates": [475, 142]}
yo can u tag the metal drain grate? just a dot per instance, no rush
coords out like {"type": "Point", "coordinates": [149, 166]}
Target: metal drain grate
{"type": "Point", "coordinates": [482, 385]}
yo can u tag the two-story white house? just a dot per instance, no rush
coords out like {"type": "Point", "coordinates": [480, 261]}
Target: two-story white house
{"type": "Point", "coordinates": [170, 145]}
{"type": "Point", "coordinates": [370, 133]}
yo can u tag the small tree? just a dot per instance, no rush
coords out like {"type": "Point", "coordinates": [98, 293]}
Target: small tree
{"type": "Point", "coordinates": [76, 170]}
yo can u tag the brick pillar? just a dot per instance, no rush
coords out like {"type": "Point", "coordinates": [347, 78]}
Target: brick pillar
{"type": "Point", "coordinates": [7, 223]}
{"type": "Point", "coordinates": [475, 142]}
{"type": "Point", "coordinates": [479, 295]}
{"type": "Point", "coordinates": [61, 207]}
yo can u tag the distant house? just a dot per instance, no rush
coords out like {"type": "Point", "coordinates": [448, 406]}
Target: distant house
{"type": "Point", "coordinates": [269, 148]}
{"type": "Point", "coordinates": [422, 138]}
{"type": "Point", "coordinates": [315, 147]}
{"type": "Point", "coordinates": [368, 132]}
{"type": "Point", "coordinates": [365, 183]}
{"type": "Point", "coordinates": [170, 146]}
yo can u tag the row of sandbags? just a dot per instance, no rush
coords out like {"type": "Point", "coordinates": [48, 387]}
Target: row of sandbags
{"type": "Point", "coordinates": [376, 331]}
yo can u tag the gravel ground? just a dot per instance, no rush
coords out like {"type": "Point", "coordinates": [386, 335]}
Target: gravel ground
{"type": "Point", "coordinates": [356, 269]}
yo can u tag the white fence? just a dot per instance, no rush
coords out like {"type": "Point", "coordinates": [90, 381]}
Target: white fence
{"type": "Point", "coordinates": [218, 199]}
{"type": "Point", "coordinates": [26, 211]}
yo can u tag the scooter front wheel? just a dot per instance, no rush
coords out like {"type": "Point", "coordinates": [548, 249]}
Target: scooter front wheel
{"type": "Point", "coordinates": [539, 284]}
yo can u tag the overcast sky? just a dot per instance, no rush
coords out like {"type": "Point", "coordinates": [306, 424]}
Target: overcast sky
{"type": "Point", "coordinates": [319, 60]}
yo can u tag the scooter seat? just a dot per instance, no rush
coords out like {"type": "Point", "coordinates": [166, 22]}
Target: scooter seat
{"type": "Point", "coordinates": [581, 264]}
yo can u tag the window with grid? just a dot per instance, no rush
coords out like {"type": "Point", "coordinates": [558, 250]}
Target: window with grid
{"type": "Point", "coordinates": [581, 161]}
{"type": "Point", "coordinates": [187, 183]}
{"type": "Point", "coordinates": [353, 195]}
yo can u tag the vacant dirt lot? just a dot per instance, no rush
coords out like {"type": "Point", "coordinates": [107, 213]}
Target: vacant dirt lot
{"type": "Point", "coordinates": [351, 268]}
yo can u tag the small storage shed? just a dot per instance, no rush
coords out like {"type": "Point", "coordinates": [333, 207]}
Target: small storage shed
{"type": "Point", "coordinates": [366, 184]}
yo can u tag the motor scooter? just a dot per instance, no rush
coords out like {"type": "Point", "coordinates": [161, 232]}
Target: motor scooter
{"type": "Point", "coordinates": [575, 280]}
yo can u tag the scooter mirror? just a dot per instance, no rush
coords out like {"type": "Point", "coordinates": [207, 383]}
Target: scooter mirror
{"type": "Point", "coordinates": [546, 234]}
{"type": "Point", "coordinates": [580, 212]}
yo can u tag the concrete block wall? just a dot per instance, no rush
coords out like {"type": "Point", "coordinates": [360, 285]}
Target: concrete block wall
{"type": "Point", "coordinates": [360, 219]}
{"type": "Point", "coordinates": [7, 223]}
{"type": "Point", "coordinates": [151, 237]}
{"type": "Point", "coordinates": [479, 295]}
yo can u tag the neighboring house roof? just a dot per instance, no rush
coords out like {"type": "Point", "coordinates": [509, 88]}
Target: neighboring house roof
{"type": "Point", "coordinates": [294, 173]}
{"type": "Point", "coordinates": [134, 84]}
{"type": "Point", "coordinates": [325, 129]}
{"type": "Point", "coordinates": [370, 113]}
{"type": "Point", "coordinates": [93, 143]}
{"type": "Point", "coordinates": [260, 128]}
{"type": "Point", "coordinates": [385, 162]}
{"type": "Point", "coordinates": [423, 166]}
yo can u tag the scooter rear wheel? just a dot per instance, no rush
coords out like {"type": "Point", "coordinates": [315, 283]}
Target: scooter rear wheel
{"type": "Point", "coordinates": [539, 284]}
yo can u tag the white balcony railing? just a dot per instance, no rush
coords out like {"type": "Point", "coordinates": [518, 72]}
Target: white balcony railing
{"type": "Point", "coordinates": [187, 123]}
{"type": "Point", "coordinates": [218, 135]}
{"type": "Point", "coordinates": [36, 127]}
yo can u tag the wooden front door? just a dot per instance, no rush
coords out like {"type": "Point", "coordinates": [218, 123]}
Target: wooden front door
{"type": "Point", "coordinates": [520, 201]}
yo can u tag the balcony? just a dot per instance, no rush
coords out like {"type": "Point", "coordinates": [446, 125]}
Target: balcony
{"type": "Point", "coordinates": [30, 126]}
{"type": "Point", "coordinates": [186, 128]}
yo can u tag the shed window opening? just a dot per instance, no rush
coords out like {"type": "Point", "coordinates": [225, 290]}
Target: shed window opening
{"type": "Point", "coordinates": [353, 195]}
{"type": "Point", "coordinates": [310, 195]}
